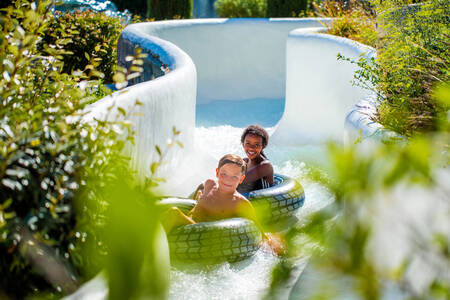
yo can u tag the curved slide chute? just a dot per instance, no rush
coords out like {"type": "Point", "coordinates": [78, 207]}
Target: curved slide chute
{"type": "Point", "coordinates": [204, 60]}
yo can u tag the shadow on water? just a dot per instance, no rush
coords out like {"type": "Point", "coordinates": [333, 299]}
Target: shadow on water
{"type": "Point", "coordinates": [265, 112]}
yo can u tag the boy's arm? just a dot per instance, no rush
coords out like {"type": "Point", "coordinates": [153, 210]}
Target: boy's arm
{"type": "Point", "coordinates": [174, 217]}
{"type": "Point", "coordinates": [198, 213]}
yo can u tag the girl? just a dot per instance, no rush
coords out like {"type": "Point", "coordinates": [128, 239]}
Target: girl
{"type": "Point", "coordinates": [259, 172]}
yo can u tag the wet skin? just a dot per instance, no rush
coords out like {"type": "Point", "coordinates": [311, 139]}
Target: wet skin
{"type": "Point", "coordinates": [220, 200]}
{"type": "Point", "coordinates": [257, 166]}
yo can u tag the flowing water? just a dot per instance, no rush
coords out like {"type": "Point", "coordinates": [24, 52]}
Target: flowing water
{"type": "Point", "coordinates": [217, 133]}
{"type": "Point", "coordinates": [248, 279]}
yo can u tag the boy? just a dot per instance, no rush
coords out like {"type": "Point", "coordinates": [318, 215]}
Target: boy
{"type": "Point", "coordinates": [220, 200]}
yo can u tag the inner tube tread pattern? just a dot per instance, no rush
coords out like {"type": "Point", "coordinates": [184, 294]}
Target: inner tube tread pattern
{"type": "Point", "coordinates": [282, 200]}
{"type": "Point", "coordinates": [217, 240]}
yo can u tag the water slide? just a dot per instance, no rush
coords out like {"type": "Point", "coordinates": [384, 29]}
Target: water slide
{"type": "Point", "coordinates": [199, 63]}
{"type": "Point", "coordinates": [286, 61]}
{"type": "Point", "coordinates": [199, 73]}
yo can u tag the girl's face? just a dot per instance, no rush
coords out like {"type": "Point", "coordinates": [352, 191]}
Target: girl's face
{"type": "Point", "coordinates": [253, 145]}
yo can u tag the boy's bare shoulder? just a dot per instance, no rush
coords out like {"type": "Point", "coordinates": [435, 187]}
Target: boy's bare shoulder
{"type": "Point", "coordinates": [240, 198]}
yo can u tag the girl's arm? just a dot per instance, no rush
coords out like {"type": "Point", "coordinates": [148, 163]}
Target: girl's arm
{"type": "Point", "coordinates": [267, 170]}
{"type": "Point", "coordinates": [247, 211]}
{"type": "Point", "coordinates": [263, 170]}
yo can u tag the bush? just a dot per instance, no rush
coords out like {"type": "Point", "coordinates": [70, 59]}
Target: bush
{"type": "Point", "coordinates": [286, 8]}
{"type": "Point", "coordinates": [241, 8]}
{"type": "Point", "coordinates": [47, 157]}
{"type": "Point", "coordinates": [169, 9]}
{"type": "Point", "coordinates": [413, 59]}
{"type": "Point", "coordinates": [90, 40]}
{"type": "Point", "coordinates": [354, 21]}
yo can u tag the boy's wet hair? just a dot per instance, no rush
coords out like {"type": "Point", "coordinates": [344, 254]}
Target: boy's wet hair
{"type": "Point", "coordinates": [233, 159]}
{"type": "Point", "coordinates": [258, 131]}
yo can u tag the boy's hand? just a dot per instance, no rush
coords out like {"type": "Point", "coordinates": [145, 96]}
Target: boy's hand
{"type": "Point", "coordinates": [198, 195]}
{"type": "Point", "coordinates": [174, 217]}
{"type": "Point", "coordinates": [275, 242]}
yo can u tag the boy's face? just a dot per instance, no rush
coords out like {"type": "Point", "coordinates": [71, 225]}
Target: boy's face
{"type": "Point", "coordinates": [229, 176]}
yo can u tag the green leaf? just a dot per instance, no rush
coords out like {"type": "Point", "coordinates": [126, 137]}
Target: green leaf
{"type": "Point", "coordinates": [154, 167]}
{"type": "Point", "coordinates": [158, 150]}
{"type": "Point", "coordinates": [133, 75]}
{"type": "Point", "coordinates": [122, 111]}
{"type": "Point", "coordinates": [119, 77]}
{"type": "Point", "coordinates": [6, 204]}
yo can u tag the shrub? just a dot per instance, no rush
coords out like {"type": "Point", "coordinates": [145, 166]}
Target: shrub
{"type": "Point", "coordinates": [286, 8]}
{"type": "Point", "coordinates": [90, 40]}
{"type": "Point", "coordinates": [413, 59]}
{"type": "Point", "coordinates": [412, 46]}
{"type": "Point", "coordinates": [354, 21]}
{"type": "Point", "coordinates": [47, 157]}
{"type": "Point", "coordinates": [241, 8]}
{"type": "Point", "coordinates": [169, 9]}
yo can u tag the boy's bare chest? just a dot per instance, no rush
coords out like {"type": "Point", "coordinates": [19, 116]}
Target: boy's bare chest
{"type": "Point", "coordinates": [220, 208]}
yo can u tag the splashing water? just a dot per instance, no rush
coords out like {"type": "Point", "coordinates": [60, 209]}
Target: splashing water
{"type": "Point", "coordinates": [250, 278]}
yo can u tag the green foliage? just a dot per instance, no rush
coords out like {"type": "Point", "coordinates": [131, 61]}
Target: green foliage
{"type": "Point", "coordinates": [137, 264]}
{"type": "Point", "coordinates": [353, 21]}
{"type": "Point", "coordinates": [413, 59]}
{"type": "Point", "coordinates": [241, 8]}
{"type": "Point", "coordinates": [47, 157]}
{"type": "Point", "coordinates": [169, 9]}
{"type": "Point", "coordinates": [361, 180]}
{"type": "Point", "coordinates": [286, 8]}
{"type": "Point", "coordinates": [90, 40]}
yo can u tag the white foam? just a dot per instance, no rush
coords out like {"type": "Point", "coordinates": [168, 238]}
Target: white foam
{"type": "Point", "coordinates": [248, 279]}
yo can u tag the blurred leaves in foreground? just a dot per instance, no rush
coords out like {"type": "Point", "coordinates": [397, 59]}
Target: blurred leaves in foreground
{"type": "Point", "coordinates": [137, 263]}
{"type": "Point", "coordinates": [69, 204]}
{"type": "Point", "coordinates": [386, 234]}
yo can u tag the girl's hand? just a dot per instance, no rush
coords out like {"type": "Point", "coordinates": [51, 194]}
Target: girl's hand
{"type": "Point", "coordinates": [275, 242]}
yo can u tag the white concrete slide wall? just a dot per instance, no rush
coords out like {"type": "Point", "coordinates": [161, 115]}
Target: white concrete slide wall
{"type": "Point", "coordinates": [239, 59]}
{"type": "Point", "coordinates": [236, 59]}
{"type": "Point", "coordinates": [167, 101]}
{"type": "Point", "coordinates": [319, 93]}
